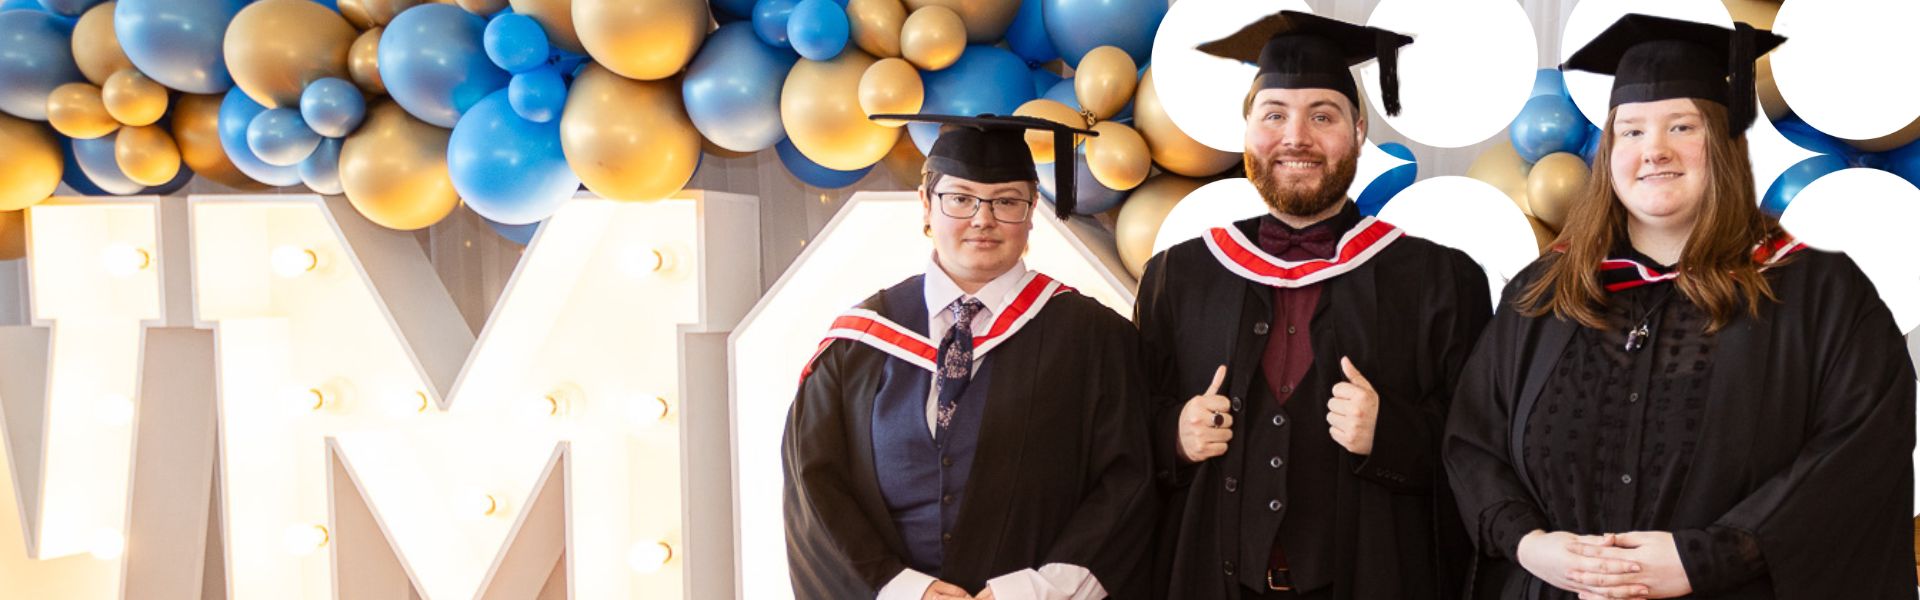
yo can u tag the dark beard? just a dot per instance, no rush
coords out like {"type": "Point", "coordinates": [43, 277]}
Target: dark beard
{"type": "Point", "coordinates": [1303, 202]}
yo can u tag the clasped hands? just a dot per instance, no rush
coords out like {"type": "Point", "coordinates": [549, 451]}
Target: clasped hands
{"type": "Point", "coordinates": [1639, 564]}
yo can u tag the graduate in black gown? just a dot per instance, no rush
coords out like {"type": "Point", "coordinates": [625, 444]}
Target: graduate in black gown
{"type": "Point", "coordinates": [1301, 362]}
{"type": "Point", "coordinates": [1680, 400]}
{"type": "Point", "coordinates": [975, 429]}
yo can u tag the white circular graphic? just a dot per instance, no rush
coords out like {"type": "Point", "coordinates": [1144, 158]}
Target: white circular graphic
{"type": "Point", "coordinates": [1472, 216]}
{"type": "Point", "coordinates": [1590, 17]}
{"type": "Point", "coordinates": [1486, 46]}
{"type": "Point", "coordinates": [1216, 204]}
{"type": "Point", "coordinates": [1771, 152]}
{"type": "Point", "coordinates": [1203, 93]}
{"type": "Point", "coordinates": [1847, 65]}
{"type": "Point", "coordinates": [1870, 215]}
{"type": "Point", "coordinates": [1373, 162]}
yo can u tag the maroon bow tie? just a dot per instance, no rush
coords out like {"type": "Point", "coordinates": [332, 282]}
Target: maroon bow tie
{"type": "Point", "coordinates": [1316, 241]}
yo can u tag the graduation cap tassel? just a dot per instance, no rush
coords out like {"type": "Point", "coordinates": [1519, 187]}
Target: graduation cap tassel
{"type": "Point", "coordinates": [1387, 47]}
{"type": "Point", "coordinates": [1740, 110]}
{"type": "Point", "coordinates": [1066, 170]}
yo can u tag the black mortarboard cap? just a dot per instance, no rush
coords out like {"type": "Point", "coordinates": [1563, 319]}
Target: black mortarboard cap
{"type": "Point", "coordinates": [1656, 58]}
{"type": "Point", "coordinates": [993, 149]}
{"type": "Point", "coordinates": [1296, 50]}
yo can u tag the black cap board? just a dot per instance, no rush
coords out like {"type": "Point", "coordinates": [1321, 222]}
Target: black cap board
{"type": "Point", "coordinates": [993, 149]}
{"type": "Point", "coordinates": [1297, 50]}
{"type": "Point", "coordinates": [1656, 58]}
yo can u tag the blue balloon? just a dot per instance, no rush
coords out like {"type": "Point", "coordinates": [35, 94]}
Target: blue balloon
{"type": "Point", "coordinates": [1804, 135]}
{"type": "Point", "coordinates": [280, 138]}
{"type": "Point", "coordinates": [178, 43]}
{"type": "Point", "coordinates": [321, 171]}
{"type": "Point", "coordinates": [818, 29]}
{"type": "Point", "coordinates": [1397, 150]}
{"type": "Point", "coordinates": [1592, 146]}
{"type": "Point", "coordinates": [1078, 26]}
{"type": "Point", "coordinates": [985, 79]}
{"type": "Point", "coordinates": [506, 168]}
{"type": "Point", "coordinates": [1548, 124]}
{"type": "Point", "coordinates": [72, 174]}
{"type": "Point", "coordinates": [1383, 188]}
{"type": "Point", "coordinates": [1092, 197]}
{"type": "Point", "coordinates": [518, 234]}
{"type": "Point", "coordinates": [516, 42]}
{"type": "Point", "coordinates": [96, 161]}
{"type": "Point", "coordinates": [812, 173]}
{"type": "Point", "coordinates": [728, 11]}
{"type": "Point", "coordinates": [732, 89]}
{"type": "Point", "coordinates": [1027, 36]}
{"type": "Point", "coordinates": [6, 5]}
{"type": "Point", "coordinates": [333, 107]}
{"type": "Point", "coordinates": [1043, 81]}
{"type": "Point", "coordinates": [538, 95]}
{"type": "Point", "coordinates": [37, 57]}
{"type": "Point", "coordinates": [1549, 82]}
{"type": "Point", "coordinates": [236, 116]}
{"type": "Point", "coordinates": [1796, 178]}
{"type": "Point", "coordinates": [434, 65]}
{"type": "Point", "coordinates": [69, 8]}
{"type": "Point", "coordinates": [770, 21]}
{"type": "Point", "coordinates": [75, 176]}
{"type": "Point", "coordinates": [1903, 161]}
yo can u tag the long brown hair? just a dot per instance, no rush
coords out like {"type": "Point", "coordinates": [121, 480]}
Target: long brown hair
{"type": "Point", "coordinates": [1717, 268]}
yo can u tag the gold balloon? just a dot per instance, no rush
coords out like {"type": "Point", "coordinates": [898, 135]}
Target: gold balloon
{"type": "Point", "coordinates": [1105, 80]}
{"type": "Point", "coordinates": [904, 162]}
{"type": "Point", "coordinates": [1041, 142]}
{"type": "Point", "coordinates": [891, 86]}
{"type": "Point", "coordinates": [482, 7]}
{"type": "Point", "coordinates": [1142, 213]}
{"type": "Point", "coordinates": [31, 170]}
{"type": "Point", "coordinates": [363, 62]}
{"type": "Point", "coordinates": [1906, 135]}
{"type": "Point", "coordinates": [820, 105]}
{"type": "Point", "coordinates": [874, 25]}
{"type": "Point", "coordinates": [382, 12]}
{"type": "Point", "coordinates": [394, 170]}
{"type": "Point", "coordinates": [933, 37]}
{"type": "Point", "coordinates": [1554, 185]}
{"type": "Point", "coordinates": [556, 18]}
{"type": "Point", "coordinates": [986, 21]}
{"type": "Point", "coordinates": [645, 40]}
{"type": "Point", "coordinates": [96, 49]}
{"type": "Point", "coordinates": [133, 99]}
{"type": "Point", "coordinates": [146, 154]}
{"type": "Point", "coordinates": [1172, 149]}
{"type": "Point", "coordinates": [355, 11]}
{"type": "Point", "coordinates": [196, 129]}
{"type": "Point", "coordinates": [1542, 234]}
{"type": "Point", "coordinates": [274, 48]}
{"type": "Point", "coordinates": [1503, 167]}
{"type": "Point", "coordinates": [75, 110]}
{"type": "Point", "coordinates": [1118, 157]}
{"type": "Point", "coordinates": [13, 234]}
{"type": "Point", "coordinates": [627, 139]}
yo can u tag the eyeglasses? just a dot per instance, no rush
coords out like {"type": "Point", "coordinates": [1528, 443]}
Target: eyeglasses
{"type": "Point", "coordinates": [1004, 210]}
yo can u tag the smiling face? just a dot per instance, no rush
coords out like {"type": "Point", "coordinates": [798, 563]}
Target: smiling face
{"type": "Point", "coordinates": [974, 250]}
{"type": "Point", "coordinates": [1659, 161]}
{"type": "Point", "coordinates": [1303, 147]}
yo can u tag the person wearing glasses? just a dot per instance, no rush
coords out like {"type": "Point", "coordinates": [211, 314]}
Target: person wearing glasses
{"type": "Point", "coordinates": [975, 430]}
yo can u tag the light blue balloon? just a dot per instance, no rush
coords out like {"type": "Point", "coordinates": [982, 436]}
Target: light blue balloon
{"type": "Point", "coordinates": [518, 234]}
{"type": "Point", "coordinates": [96, 161]}
{"type": "Point", "coordinates": [6, 5]}
{"type": "Point", "coordinates": [1043, 81]}
{"type": "Point", "coordinates": [1549, 82]}
{"type": "Point", "coordinates": [434, 63]}
{"type": "Point", "coordinates": [538, 95]}
{"type": "Point", "coordinates": [69, 8]}
{"type": "Point", "coordinates": [508, 169]}
{"type": "Point", "coordinates": [811, 173]}
{"type": "Point", "coordinates": [36, 55]}
{"type": "Point", "coordinates": [732, 89]}
{"type": "Point", "coordinates": [1078, 26]}
{"type": "Point", "coordinates": [1028, 34]}
{"type": "Point", "coordinates": [281, 138]}
{"type": "Point", "coordinates": [75, 176]}
{"type": "Point", "coordinates": [516, 42]}
{"type": "Point", "coordinates": [770, 21]}
{"type": "Point", "coordinates": [1548, 124]}
{"type": "Point", "coordinates": [1383, 188]}
{"type": "Point", "coordinates": [237, 112]}
{"type": "Point", "coordinates": [1092, 198]}
{"type": "Point", "coordinates": [818, 29]}
{"type": "Point", "coordinates": [321, 170]}
{"type": "Point", "coordinates": [333, 107]}
{"type": "Point", "coordinates": [178, 43]}
{"type": "Point", "coordinates": [1796, 178]}
{"type": "Point", "coordinates": [986, 79]}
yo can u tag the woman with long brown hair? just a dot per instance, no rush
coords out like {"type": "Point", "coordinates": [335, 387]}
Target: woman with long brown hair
{"type": "Point", "coordinates": [1679, 399]}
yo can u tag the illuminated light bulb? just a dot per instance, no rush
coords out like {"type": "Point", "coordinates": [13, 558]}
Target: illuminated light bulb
{"type": "Point", "coordinates": [480, 505]}
{"type": "Point", "coordinates": [649, 556]}
{"type": "Point", "coordinates": [107, 544]}
{"type": "Point", "coordinates": [124, 260]}
{"type": "Point", "coordinates": [647, 411]}
{"type": "Point", "coordinates": [115, 409]}
{"type": "Point", "coordinates": [333, 397]}
{"type": "Point", "coordinates": [307, 400]}
{"type": "Point", "coordinates": [562, 401]}
{"type": "Point", "coordinates": [306, 539]}
{"type": "Point", "coordinates": [407, 405]}
{"type": "Point", "coordinates": [636, 261]}
{"type": "Point", "coordinates": [291, 261]}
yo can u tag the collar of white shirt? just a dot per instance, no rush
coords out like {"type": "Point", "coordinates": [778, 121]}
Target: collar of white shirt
{"type": "Point", "coordinates": [941, 291]}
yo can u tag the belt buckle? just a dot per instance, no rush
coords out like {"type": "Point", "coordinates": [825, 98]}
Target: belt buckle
{"type": "Point", "coordinates": [1279, 581]}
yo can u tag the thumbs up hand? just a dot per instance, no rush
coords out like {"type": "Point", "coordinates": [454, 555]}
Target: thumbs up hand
{"type": "Point", "coordinates": [1353, 411]}
{"type": "Point", "coordinates": [1205, 423]}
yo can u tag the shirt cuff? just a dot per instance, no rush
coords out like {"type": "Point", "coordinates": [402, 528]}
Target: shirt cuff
{"type": "Point", "coordinates": [1718, 558]}
{"type": "Point", "coordinates": [1506, 524]}
{"type": "Point", "coordinates": [1053, 581]}
{"type": "Point", "coordinates": [908, 585]}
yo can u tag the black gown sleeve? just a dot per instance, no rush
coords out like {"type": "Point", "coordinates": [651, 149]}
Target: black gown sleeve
{"type": "Point", "coordinates": [1153, 315]}
{"type": "Point", "coordinates": [1406, 439]}
{"type": "Point", "coordinates": [833, 550]}
{"type": "Point", "coordinates": [1495, 506]}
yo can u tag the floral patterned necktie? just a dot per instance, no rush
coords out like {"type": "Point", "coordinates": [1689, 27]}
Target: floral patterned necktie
{"type": "Point", "coordinates": [955, 361]}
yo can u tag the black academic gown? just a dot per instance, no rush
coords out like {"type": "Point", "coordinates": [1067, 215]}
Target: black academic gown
{"type": "Point", "coordinates": [1807, 440]}
{"type": "Point", "coordinates": [1061, 473]}
{"type": "Point", "coordinates": [1408, 318]}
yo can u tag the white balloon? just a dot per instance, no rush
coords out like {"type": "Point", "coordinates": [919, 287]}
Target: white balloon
{"type": "Point", "coordinates": [1870, 215]}
{"type": "Point", "coordinates": [1472, 216]}
{"type": "Point", "coordinates": [1486, 46]}
{"type": "Point", "coordinates": [1847, 65]}
{"type": "Point", "coordinates": [1202, 93]}
{"type": "Point", "coordinates": [1590, 91]}
{"type": "Point", "coordinates": [1216, 204]}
